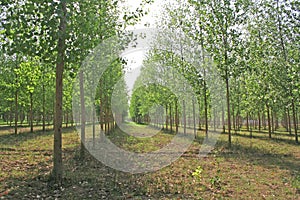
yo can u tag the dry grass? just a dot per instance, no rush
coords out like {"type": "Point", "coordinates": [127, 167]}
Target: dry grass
{"type": "Point", "coordinates": [253, 168]}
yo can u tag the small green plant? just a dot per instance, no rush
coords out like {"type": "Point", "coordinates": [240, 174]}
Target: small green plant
{"type": "Point", "coordinates": [216, 181]}
{"type": "Point", "coordinates": [197, 172]}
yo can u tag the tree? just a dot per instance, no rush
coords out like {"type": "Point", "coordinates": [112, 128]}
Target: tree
{"type": "Point", "coordinates": [60, 63]}
{"type": "Point", "coordinates": [220, 22]}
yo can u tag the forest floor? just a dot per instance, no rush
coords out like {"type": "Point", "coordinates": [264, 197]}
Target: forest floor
{"type": "Point", "coordinates": [253, 168]}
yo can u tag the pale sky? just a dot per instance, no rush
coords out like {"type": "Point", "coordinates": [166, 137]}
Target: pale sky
{"type": "Point", "coordinates": [135, 58]}
{"type": "Point", "coordinates": [154, 10]}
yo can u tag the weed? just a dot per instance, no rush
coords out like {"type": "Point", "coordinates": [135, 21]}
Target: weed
{"type": "Point", "coordinates": [197, 173]}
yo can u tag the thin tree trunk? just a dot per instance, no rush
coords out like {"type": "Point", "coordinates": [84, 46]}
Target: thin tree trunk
{"type": "Point", "coordinates": [200, 127]}
{"type": "Point", "coordinates": [53, 116]}
{"type": "Point", "coordinates": [228, 109]}
{"type": "Point", "coordinates": [184, 117]}
{"type": "Point", "coordinates": [247, 122]}
{"type": "Point", "coordinates": [83, 118]}
{"type": "Point", "coordinates": [167, 125]}
{"type": "Point", "coordinates": [16, 112]}
{"type": "Point", "coordinates": [276, 121]}
{"type": "Point", "coordinates": [215, 116]}
{"type": "Point", "coordinates": [264, 121]}
{"type": "Point", "coordinates": [194, 119]}
{"type": "Point", "coordinates": [272, 120]}
{"type": "Point", "coordinates": [94, 125]}
{"type": "Point", "coordinates": [286, 121]}
{"type": "Point", "coordinates": [171, 122]}
{"type": "Point", "coordinates": [101, 114]}
{"type": "Point", "coordinates": [295, 121]}
{"type": "Point", "coordinates": [94, 115]}
{"type": "Point", "coordinates": [289, 122]}
{"type": "Point", "coordinates": [43, 107]}
{"type": "Point", "coordinates": [269, 122]}
{"type": "Point", "coordinates": [31, 113]}
{"type": "Point", "coordinates": [204, 86]}
{"type": "Point", "coordinates": [67, 118]}
{"type": "Point", "coordinates": [57, 157]}
{"type": "Point", "coordinates": [205, 109]}
{"type": "Point", "coordinates": [176, 116]}
{"type": "Point", "coordinates": [223, 118]}
{"type": "Point", "coordinates": [233, 119]}
{"type": "Point", "coordinates": [259, 122]}
{"type": "Point", "coordinates": [11, 116]}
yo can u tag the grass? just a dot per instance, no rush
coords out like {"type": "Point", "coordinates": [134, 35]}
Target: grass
{"type": "Point", "coordinates": [253, 168]}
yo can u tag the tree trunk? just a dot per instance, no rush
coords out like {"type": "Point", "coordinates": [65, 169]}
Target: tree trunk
{"type": "Point", "coordinates": [57, 157]}
{"type": "Point", "coordinates": [223, 118]}
{"type": "Point", "coordinates": [16, 98]}
{"type": "Point", "coordinates": [94, 115]}
{"type": "Point", "coordinates": [272, 120]}
{"type": "Point", "coordinates": [200, 127]}
{"type": "Point", "coordinates": [247, 122]}
{"type": "Point", "coordinates": [286, 121]}
{"type": "Point", "coordinates": [194, 119]}
{"type": "Point", "coordinates": [31, 113]}
{"type": "Point", "coordinates": [11, 116]}
{"type": "Point", "coordinates": [269, 122]}
{"type": "Point", "coordinates": [228, 109]}
{"type": "Point", "coordinates": [276, 121]}
{"type": "Point", "coordinates": [233, 119]}
{"type": "Point", "coordinates": [184, 117]}
{"type": "Point", "coordinates": [176, 116]}
{"type": "Point", "coordinates": [171, 122]}
{"type": "Point", "coordinates": [289, 122]}
{"type": "Point", "coordinates": [53, 116]}
{"type": "Point", "coordinates": [215, 116]}
{"type": "Point", "coordinates": [67, 118]}
{"type": "Point", "coordinates": [101, 114]}
{"type": "Point", "coordinates": [205, 108]}
{"type": "Point", "coordinates": [295, 121]}
{"type": "Point", "coordinates": [264, 121]}
{"type": "Point", "coordinates": [83, 118]}
{"type": "Point", "coordinates": [16, 112]}
{"type": "Point", "coordinates": [259, 122]}
{"type": "Point", "coordinates": [167, 125]}
{"type": "Point", "coordinates": [94, 125]}
{"type": "Point", "coordinates": [44, 109]}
